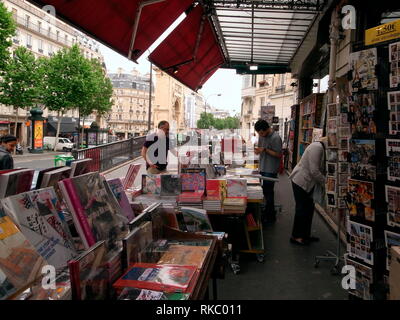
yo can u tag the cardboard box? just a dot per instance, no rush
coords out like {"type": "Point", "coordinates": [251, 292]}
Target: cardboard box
{"type": "Point", "coordinates": [394, 274]}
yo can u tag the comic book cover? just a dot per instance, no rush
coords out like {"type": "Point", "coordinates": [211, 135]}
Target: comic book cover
{"type": "Point", "coordinates": [361, 196]}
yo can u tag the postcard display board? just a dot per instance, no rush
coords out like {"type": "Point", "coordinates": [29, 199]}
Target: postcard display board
{"type": "Point", "coordinates": [372, 152]}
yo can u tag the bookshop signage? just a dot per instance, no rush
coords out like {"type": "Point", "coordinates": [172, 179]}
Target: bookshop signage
{"type": "Point", "coordinates": [384, 32]}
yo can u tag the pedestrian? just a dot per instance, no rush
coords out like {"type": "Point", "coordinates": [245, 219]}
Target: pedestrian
{"type": "Point", "coordinates": [270, 150]}
{"type": "Point", "coordinates": [7, 146]}
{"type": "Point", "coordinates": [254, 140]}
{"type": "Point", "coordinates": [155, 149]}
{"type": "Point", "coordinates": [307, 174]}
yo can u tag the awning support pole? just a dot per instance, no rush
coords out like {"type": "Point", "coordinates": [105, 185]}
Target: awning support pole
{"type": "Point", "coordinates": [334, 37]}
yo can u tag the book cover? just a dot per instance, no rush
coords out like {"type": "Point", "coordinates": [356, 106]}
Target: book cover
{"type": "Point", "coordinates": [196, 219]}
{"type": "Point", "coordinates": [170, 185]}
{"type": "Point", "coordinates": [185, 255]}
{"type": "Point", "coordinates": [79, 167]}
{"type": "Point", "coordinates": [94, 215]}
{"type": "Point", "coordinates": [14, 182]}
{"type": "Point", "coordinates": [20, 263]}
{"type": "Point", "coordinates": [40, 175]}
{"type": "Point", "coordinates": [89, 275]}
{"type": "Point", "coordinates": [116, 189]}
{"type": "Point", "coordinates": [131, 175]}
{"type": "Point", "coordinates": [168, 278]}
{"type": "Point", "coordinates": [51, 179]}
{"type": "Point", "coordinates": [193, 179]}
{"type": "Point", "coordinates": [36, 214]}
{"type": "Point", "coordinates": [237, 187]}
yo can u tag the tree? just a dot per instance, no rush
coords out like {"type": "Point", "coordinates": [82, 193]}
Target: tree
{"type": "Point", "coordinates": [101, 93]}
{"type": "Point", "coordinates": [7, 30]}
{"type": "Point", "coordinates": [206, 121]}
{"type": "Point", "coordinates": [67, 82]}
{"type": "Point", "coordinates": [21, 83]}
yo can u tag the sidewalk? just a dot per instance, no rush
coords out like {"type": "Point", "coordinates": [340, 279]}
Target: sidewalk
{"type": "Point", "coordinates": [38, 156]}
{"type": "Point", "coordinates": [288, 271]}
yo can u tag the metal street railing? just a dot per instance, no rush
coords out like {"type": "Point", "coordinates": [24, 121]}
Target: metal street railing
{"type": "Point", "coordinates": [109, 155]}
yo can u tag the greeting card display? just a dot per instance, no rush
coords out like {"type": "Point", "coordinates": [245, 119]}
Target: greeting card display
{"type": "Point", "coordinates": [393, 154]}
{"type": "Point", "coordinates": [394, 58]}
{"type": "Point", "coordinates": [362, 64]}
{"type": "Point", "coordinates": [391, 239]}
{"type": "Point", "coordinates": [361, 194]}
{"type": "Point", "coordinates": [362, 158]}
{"type": "Point", "coordinates": [359, 242]}
{"type": "Point", "coordinates": [393, 200]}
{"type": "Point", "coordinates": [394, 111]}
{"type": "Point", "coordinates": [362, 113]}
{"type": "Point", "coordinates": [363, 279]}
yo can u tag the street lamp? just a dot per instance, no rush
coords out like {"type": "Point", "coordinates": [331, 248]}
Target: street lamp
{"type": "Point", "coordinates": [214, 94]}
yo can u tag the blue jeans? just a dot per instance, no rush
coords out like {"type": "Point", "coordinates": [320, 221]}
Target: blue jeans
{"type": "Point", "coordinates": [269, 196]}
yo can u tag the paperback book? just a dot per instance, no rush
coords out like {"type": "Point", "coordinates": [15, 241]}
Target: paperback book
{"type": "Point", "coordinates": [236, 187]}
{"type": "Point", "coordinates": [20, 263]}
{"type": "Point", "coordinates": [196, 219]}
{"type": "Point", "coordinates": [36, 214]}
{"type": "Point", "coordinates": [151, 184]}
{"type": "Point", "coordinates": [88, 274]}
{"type": "Point", "coordinates": [80, 167]}
{"type": "Point", "coordinates": [131, 175]}
{"type": "Point", "coordinates": [16, 181]}
{"type": "Point", "coordinates": [144, 294]}
{"type": "Point", "coordinates": [193, 179]}
{"type": "Point", "coordinates": [168, 278]}
{"type": "Point", "coordinates": [95, 218]}
{"type": "Point", "coordinates": [117, 192]}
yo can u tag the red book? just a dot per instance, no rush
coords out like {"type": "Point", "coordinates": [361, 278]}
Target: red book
{"type": "Point", "coordinates": [151, 276]}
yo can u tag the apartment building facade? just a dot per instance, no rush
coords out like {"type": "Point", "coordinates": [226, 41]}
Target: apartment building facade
{"type": "Point", "coordinates": [43, 35]}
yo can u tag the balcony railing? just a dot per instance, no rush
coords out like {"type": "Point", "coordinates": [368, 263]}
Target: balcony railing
{"type": "Point", "coordinates": [280, 89]}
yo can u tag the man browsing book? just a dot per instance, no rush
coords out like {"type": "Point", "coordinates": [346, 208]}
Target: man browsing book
{"type": "Point", "coordinates": [155, 149]}
{"type": "Point", "coordinates": [269, 149]}
{"type": "Point", "coordinates": [7, 146]}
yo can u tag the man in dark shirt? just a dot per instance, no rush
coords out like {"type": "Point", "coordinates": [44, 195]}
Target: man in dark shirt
{"type": "Point", "coordinates": [155, 149]}
{"type": "Point", "coordinates": [7, 146]}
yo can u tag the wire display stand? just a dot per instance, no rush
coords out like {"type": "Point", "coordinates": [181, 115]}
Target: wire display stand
{"type": "Point", "coordinates": [329, 255]}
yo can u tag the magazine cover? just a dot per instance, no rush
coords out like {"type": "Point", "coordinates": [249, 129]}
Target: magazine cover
{"type": "Point", "coordinates": [40, 175]}
{"type": "Point", "coordinates": [185, 255]}
{"type": "Point", "coordinates": [364, 279]}
{"type": "Point", "coordinates": [16, 181]}
{"type": "Point", "coordinates": [20, 263]}
{"type": "Point", "coordinates": [170, 185]}
{"type": "Point", "coordinates": [116, 189]}
{"type": "Point", "coordinates": [394, 58]}
{"type": "Point", "coordinates": [91, 206]}
{"type": "Point", "coordinates": [89, 275]}
{"type": "Point", "coordinates": [393, 201]}
{"type": "Point", "coordinates": [168, 278]}
{"type": "Point", "coordinates": [393, 154]}
{"type": "Point", "coordinates": [196, 219]}
{"type": "Point", "coordinates": [361, 194]}
{"type": "Point", "coordinates": [362, 113]}
{"type": "Point", "coordinates": [193, 181]}
{"type": "Point", "coordinates": [394, 112]}
{"type": "Point", "coordinates": [359, 243]}
{"type": "Point", "coordinates": [363, 160]}
{"type": "Point", "coordinates": [391, 239]}
{"type": "Point", "coordinates": [36, 214]}
{"type": "Point", "coordinates": [362, 65]}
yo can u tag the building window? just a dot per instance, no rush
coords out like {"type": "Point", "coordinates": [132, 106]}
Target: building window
{"type": "Point", "coordinates": [50, 50]}
{"type": "Point", "coordinates": [49, 32]}
{"type": "Point", "coordinates": [29, 41]}
{"type": "Point", "coordinates": [262, 101]}
{"type": "Point", "coordinates": [58, 35]}
{"type": "Point", "coordinates": [27, 21]}
{"type": "Point", "coordinates": [40, 45]}
{"type": "Point", "coordinates": [39, 27]}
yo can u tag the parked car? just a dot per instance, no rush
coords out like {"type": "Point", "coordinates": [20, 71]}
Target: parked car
{"type": "Point", "coordinates": [63, 144]}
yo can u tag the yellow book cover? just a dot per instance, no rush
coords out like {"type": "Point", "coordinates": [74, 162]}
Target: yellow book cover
{"type": "Point", "coordinates": [185, 255]}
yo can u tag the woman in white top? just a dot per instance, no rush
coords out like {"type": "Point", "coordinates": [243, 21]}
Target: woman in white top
{"type": "Point", "coordinates": [307, 173]}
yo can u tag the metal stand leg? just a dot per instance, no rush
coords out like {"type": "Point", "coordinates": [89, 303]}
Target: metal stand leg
{"type": "Point", "coordinates": [329, 255]}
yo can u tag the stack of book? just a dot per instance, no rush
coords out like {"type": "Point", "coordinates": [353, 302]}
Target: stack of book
{"type": "Point", "coordinates": [236, 187]}
{"type": "Point", "coordinates": [212, 204]}
{"type": "Point", "coordinates": [235, 205]}
{"type": "Point", "coordinates": [191, 199]}
{"type": "Point", "coordinates": [255, 193]}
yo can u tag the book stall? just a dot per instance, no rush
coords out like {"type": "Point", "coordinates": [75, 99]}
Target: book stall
{"type": "Point", "coordinates": [70, 234]}
{"type": "Point", "coordinates": [362, 164]}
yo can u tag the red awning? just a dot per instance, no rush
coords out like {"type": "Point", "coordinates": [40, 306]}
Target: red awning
{"type": "Point", "coordinates": [191, 53]}
{"type": "Point", "coordinates": [116, 24]}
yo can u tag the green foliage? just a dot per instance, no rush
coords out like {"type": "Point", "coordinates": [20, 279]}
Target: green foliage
{"type": "Point", "coordinates": [21, 84]}
{"type": "Point", "coordinates": [208, 121]}
{"type": "Point", "coordinates": [7, 30]}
